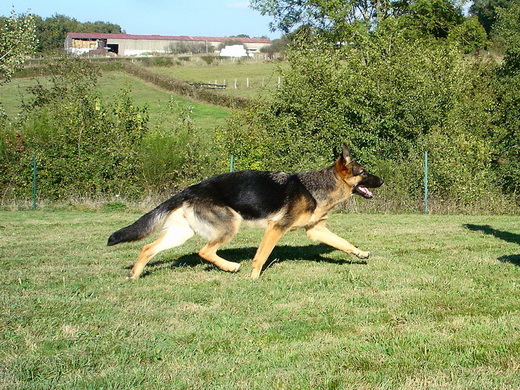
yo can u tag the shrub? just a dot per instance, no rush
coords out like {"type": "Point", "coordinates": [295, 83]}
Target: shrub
{"type": "Point", "coordinates": [84, 147]}
{"type": "Point", "coordinates": [391, 98]}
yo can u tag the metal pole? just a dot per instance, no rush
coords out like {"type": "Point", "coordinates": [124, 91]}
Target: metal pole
{"type": "Point", "coordinates": [34, 182]}
{"type": "Point", "coordinates": [426, 182]}
{"type": "Point", "coordinates": [231, 163]}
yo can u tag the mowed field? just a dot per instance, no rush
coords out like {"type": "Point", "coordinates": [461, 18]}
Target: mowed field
{"type": "Point", "coordinates": [436, 307]}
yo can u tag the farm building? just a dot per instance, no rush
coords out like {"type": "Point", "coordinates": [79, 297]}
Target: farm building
{"type": "Point", "coordinates": [131, 45]}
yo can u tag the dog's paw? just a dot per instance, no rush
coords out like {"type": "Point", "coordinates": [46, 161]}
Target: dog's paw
{"type": "Point", "coordinates": [234, 268]}
{"type": "Point", "coordinates": [364, 255]}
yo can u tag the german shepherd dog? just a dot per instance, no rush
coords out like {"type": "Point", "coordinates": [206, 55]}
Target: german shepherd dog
{"type": "Point", "coordinates": [215, 208]}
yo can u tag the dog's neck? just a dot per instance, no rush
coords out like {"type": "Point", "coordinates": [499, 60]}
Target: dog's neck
{"type": "Point", "coordinates": [324, 186]}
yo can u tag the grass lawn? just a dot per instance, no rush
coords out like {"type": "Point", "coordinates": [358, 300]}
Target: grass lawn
{"type": "Point", "coordinates": [437, 307]}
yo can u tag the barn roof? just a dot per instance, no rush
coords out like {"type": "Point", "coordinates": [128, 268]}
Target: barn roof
{"type": "Point", "coordinates": [164, 37]}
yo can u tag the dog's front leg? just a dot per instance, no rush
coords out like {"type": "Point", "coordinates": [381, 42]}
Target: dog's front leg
{"type": "Point", "coordinates": [320, 233]}
{"type": "Point", "coordinates": [271, 236]}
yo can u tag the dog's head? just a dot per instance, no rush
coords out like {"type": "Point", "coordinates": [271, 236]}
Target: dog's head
{"type": "Point", "coordinates": [355, 176]}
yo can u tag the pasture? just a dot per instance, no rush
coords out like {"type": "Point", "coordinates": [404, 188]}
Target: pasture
{"type": "Point", "coordinates": [205, 116]}
{"type": "Point", "coordinates": [436, 307]}
{"type": "Point", "coordinates": [261, 76]}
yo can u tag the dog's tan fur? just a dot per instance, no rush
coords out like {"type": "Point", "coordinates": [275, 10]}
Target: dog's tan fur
{"type": "Point", "coordinates": [200, 210]}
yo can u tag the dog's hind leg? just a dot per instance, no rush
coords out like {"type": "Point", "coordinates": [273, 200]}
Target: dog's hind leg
{"type": "Point", "coordinates": [219, 232]}
{"type": "Point", "coordinates": [320, 233]}
{"type": "Point", "coordinates": [209, 253]}
{"type": "Point", "coordinates": [175, 233]}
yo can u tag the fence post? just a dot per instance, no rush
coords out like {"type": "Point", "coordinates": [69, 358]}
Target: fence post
{"type": "Point", "coordinates": [34, 172]}
{"type": "Point", "coordinates": [231, 163]}
{"type": "Point", "coordinates": [426, 182]}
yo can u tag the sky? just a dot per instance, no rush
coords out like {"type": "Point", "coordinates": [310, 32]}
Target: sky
{"type": "Point", "coordinates": [217, 18]}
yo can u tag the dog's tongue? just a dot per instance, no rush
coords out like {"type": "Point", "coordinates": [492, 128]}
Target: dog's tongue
{"type": "Point", "coordinates": [365, 192]}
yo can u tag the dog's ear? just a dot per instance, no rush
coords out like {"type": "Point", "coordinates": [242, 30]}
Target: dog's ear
{"type": "Point", "coordinates": [343, 163]}
{"type": "Point", "coordinates": [346, 155]}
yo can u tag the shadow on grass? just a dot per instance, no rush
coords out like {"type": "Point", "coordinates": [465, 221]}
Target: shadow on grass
{"type": "Point", "coordinates": [502, 235]}
{"type": "Point", "coordinates": [280, 254]}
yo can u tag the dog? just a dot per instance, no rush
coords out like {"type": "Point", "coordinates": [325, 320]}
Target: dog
{"type": "Point", "coordinates": [215, 208]}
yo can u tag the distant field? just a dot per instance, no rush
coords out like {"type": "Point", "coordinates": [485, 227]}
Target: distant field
{"type": "Point", "coordinates": [263, 76]}
{"type": "Point", "coordinates": [205, 116]}
{"type": "Point", "coordinates": [435, 308]}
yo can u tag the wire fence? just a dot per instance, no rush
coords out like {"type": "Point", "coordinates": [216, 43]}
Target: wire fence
{"type": "Point", "coordinates": [231, 168]}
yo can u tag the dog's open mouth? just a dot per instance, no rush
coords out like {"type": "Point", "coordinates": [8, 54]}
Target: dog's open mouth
{"type": "Point", "coordinates": [363, 191]}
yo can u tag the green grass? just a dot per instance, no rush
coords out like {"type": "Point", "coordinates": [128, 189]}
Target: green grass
{"type": "Point", "coordinates": [263, 76]}
{"type": "Point", "coordinates": [205, 116]}
{"type": "Point", "coordinates": [13, 93]}
{"type": "Point", "coordinates": [436, 308]}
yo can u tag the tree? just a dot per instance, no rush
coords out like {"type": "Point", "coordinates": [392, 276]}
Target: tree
{"type": "Point", "coordinates": [278, 46]}
{"type": "Point", "coordinates": [17, 42]}
{"type": "Point", "coordinates": [51, 32]}
{"type": "Point", "coordinates": [507, 25]}
{"type": "Point", "coordinates": [321, 14]}
{"type": "Point", "coordinates": [392, 95]}
{"type": "Point", "coordinates": [507, 85]}
{"type": "Point", "coordinates": [345, 21]}
{"type": "Point", "coordinates": [434, 17]}
{"type": "Point", "coordinates": [486, 11]}
{"type": "Point", "coordinates": [470, 35]}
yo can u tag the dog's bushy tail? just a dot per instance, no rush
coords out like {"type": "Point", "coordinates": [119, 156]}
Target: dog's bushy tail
{"type": "Point", "coordinates": [148, 223]}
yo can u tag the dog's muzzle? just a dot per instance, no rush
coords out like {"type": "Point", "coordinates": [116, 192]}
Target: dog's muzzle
{"type": "Point", "coordinates": [362, 187]}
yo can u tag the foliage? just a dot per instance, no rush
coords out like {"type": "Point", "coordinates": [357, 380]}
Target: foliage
{"type": "Point", "coordinates": [340, 21]}
{"type": "Point", "coordinates": [51, 31]}
{"type": "Point", "coordinates": [486, 11]}
{"type": "Point", "coordinates": [470, 36]}
{"type": "Point", "coordinates": [507, 26]}
{"type": "Point", "coordinates": [507, 85]}
{"type": "Point", "coordinates": [176, 155]}
{"type": "Point", "coordinates": [433, 17]}
{"type": "Point", "coordinates": [278, 46]}
{"type": "Point", "coordinates": [324, 15]}
{"type": "Point", "coordinates": [17, 42]}
{"type": "Point", "coordinates": [84, 147]}
{"type": "Point", "coordinates": [391, 98]}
